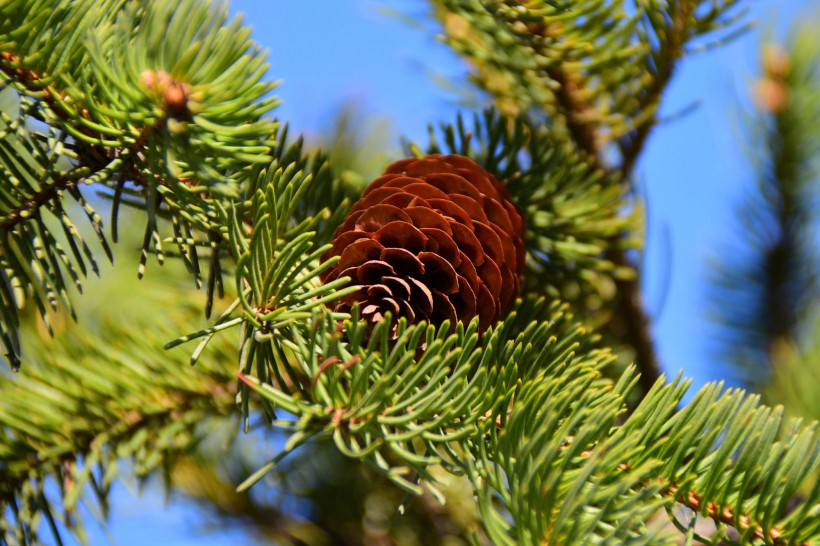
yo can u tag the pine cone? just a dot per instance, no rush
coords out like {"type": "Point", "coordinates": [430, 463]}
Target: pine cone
{"type": "Point", "coordinates": [431, 239]}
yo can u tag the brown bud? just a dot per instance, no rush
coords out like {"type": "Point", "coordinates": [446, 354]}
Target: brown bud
{"type": "Point", "coordinates": [432, 239]}
{"type": "Point", "coordinates": [176, 98]}
{"type": "Point", "coordinates": [148, 79]}
{"type": "Point", "coordinates": [771, 95]}
{"type": "Point", "coordinates": [155, 80]}
{"type": "Point", "coordinates": [175, 95]}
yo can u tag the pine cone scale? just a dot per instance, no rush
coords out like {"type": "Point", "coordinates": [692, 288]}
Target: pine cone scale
{"type": "Point", "coordinates": [377, 216]}
{"type": "Point", "coordinates": [468, 271]}
{"type": "Point", "coordinates": [469, 244]}
{"type": "Point", "coordinates": [440, 242]}
{"type": "Point", "coordinates": [471, 207]}
{"type": "Point", "coordinates": [434, 239]}
{"type": "Point", "coordinates": [486, 306]}
{"type": "Point", "coordinates": [466, 301]}
{"type": "Point", "coordinates": [401, 235]}
{"type": "Point", "coordinates": [497, 215]}
{"type": "Point", "coordinates": [429, 218]}
{"type": "Point", "coordinates": [421, 297]}
{"type": "Point", "coordinates": [490, 242]}
{"type": "Point", "coordinates": [373, 271]}
{"type": "Point", "coordinates": [405, 262]}
{"type": "Point", "coordinates": [452, 212]}
{"type": "Point", "coordinates": [361, 251]}
{"type": "Point", "coordinates": [439, 272]}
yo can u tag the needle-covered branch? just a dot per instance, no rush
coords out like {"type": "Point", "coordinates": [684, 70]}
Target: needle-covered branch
{"type": "Point", "coordinates": [75, 418]}
{"type": "Point", "coordinates": [177, 130]}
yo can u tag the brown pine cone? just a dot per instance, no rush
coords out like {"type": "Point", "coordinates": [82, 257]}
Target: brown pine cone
{"type": "Point", "coordinates": [431, 239]}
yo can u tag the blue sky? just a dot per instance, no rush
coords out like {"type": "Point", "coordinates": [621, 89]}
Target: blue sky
{"type": "Point", "coordinates": [329, 52]}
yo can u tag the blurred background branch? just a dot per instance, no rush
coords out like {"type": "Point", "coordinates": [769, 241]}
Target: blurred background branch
{"type": "Point", "coordinates": [765, 294]}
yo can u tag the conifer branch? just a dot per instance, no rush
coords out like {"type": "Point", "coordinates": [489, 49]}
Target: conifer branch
{"type": "Point", "coordinates": [638, 325]}
{"type": "Point", "coordinates": [494, 405]}
{"type": "Point", "coordinates": [32, 82]}
{"type": "Point", "coordinates": [91, 158]}
{"type": "Point", "coordinates": [694, 501]}
{"type": "Point", "coordinates": [185, 126]}
{"type": "Point", "coordinates": [721, 514]}
{"type": "Point", "coordinates": [214, 397]}
{"type": "Point", "coordinates": [572, 98]}
{"type": "Point", "coordinates": [10, 66]}
{"type": "Point", "coordinates": [127, 400]}
{"type": "Point", "coordinates": [716, 512]}
{"type": "Point", "coordinates": [555, 64]}
{"type": "Point", "coordinates": [573, 105]}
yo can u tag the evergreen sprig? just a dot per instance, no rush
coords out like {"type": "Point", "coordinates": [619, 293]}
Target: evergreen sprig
{"type": "Point", "coordinates": [173, 129]}
{"type": "Point", "coordinates": [596, 69]}
{"type": "Point", "coordinates": [724, 456]}
{"type": "Point", "coordinates": [431, 399]}
{"type": "Point", "coordinates": [34, 263]}
{"type": "Point", "coordinates": [75, 421]}
{"type": "Point", "coordinates": [595, 72]}
{"type": "Point", "coordinates": [414, 401]}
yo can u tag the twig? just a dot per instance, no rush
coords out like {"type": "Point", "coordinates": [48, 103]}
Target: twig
{"type": "Point", "coordinates": [721, 514]}
{"type": "Point", "coordinates": [638, 327]}
{"type": "Point", "coordinates": [90, 158]}
{"type": "Point", "coordinates": [726, 515]}
{"type": "Point", "coordinates": [39, 199]}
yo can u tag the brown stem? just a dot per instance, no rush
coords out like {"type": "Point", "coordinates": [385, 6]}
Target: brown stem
{"type": "Point", "coordinates": [567, 94]}
{"type": "Point", "coordinates": [726, 515]}
{"type": "Point", "coordinates": [721, 514]}
{"type": "Point", "coordinates": [39, 199]}
{"type": "Point", "coordinates": [637, 326]}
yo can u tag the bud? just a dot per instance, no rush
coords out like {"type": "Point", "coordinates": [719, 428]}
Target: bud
{"type": "Point", "coordinates": [771, 95]}
{"type": "Point", "coordinates": [176, 98]}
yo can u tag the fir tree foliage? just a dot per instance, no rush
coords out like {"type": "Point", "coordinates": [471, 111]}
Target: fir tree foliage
{"type": "Point", "coordinates": [76, 420]}
{"type": "Point", "coordinates": [596, 69]}
{"type": "Point", "coordinates": [169, 125]}
{"type": "Point", "coordinates": [595, 72]}
{"type": "Point", "coordinates": [163, 104]}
